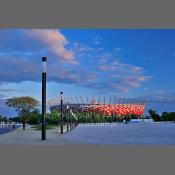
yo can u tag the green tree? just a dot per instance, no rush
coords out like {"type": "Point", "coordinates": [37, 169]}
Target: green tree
{"type": "Point", "coordinates": [23, 106]}
{"type": "Point", "coordinates": [53, 118]}
{"type": "Point", "coordinates": [1, 118]}
{"type": "Point", "coordinates": [169, 116]}
{"type": "Point", "coordinates": [154, 115]}
{"type": "Point", "coordinates": [163, 117]}
{"type": "Point", "coordinates": [34, 118]}
{"type": "Point", "coordinates": [15, 119]}
{"type": "Point", "coordinates": [164, 113]}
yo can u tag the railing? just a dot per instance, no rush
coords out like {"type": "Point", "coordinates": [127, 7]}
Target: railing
{"type": "Point", "coordinates": [68, 126]}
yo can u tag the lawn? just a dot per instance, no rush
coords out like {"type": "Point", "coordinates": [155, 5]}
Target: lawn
{"type": "Point", "coordinates": [38, 127]}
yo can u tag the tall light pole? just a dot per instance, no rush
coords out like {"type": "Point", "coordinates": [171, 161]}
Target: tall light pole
{"type": "Point", "coordinates": [43, 134]}
{"type": "Point", "coordinates": [61, 93]}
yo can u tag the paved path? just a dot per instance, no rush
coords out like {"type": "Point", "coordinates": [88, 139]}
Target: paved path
{"type": "Point", "coordinates": [33, 137]}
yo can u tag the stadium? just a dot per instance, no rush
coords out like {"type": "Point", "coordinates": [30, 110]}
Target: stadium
{"type": "Point", "coordinates": [105, 106]}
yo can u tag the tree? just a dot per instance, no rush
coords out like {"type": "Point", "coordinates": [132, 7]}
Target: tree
{"type": "Point", "coordinates": [15, 119]}
{"type": "Point", "coordinates": [34, 118]}
{"type": "Point", "coordinates": [23, 106]}
{"type": "Point", "coordinates": [1, 118]}
{"type": "Point", "coordinates": [169, 116]}
{"type": "Point", "coordinates": [154, 115]}
{"type": "Point", "coordinates": [164, 113]}
{"type": "Point", "coordinates": [53, 118]}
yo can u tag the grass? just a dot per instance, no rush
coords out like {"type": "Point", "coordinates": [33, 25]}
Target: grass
{"type": "Point", "coordinates": [38, 127]}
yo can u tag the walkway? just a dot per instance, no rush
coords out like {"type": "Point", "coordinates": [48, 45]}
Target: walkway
{"type": "Point", "coordinates": [33, 137]}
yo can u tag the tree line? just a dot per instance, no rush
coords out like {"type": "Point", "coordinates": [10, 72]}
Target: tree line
{"type": "Point", "coordinates": [165, 116]}
{"type": "Point", "coordinates": [28, 112]}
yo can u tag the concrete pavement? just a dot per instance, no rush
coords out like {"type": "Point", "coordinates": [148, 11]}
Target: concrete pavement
{"type": "Point", "coordinates": [33, 137]}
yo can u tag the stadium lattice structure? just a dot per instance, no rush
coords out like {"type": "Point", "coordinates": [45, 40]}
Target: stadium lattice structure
{"type": "Point", "coordinates": [105, 106]}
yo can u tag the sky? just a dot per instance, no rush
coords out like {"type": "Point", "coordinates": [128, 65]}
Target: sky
{"type": "Point", "coordinates": [88, 62]}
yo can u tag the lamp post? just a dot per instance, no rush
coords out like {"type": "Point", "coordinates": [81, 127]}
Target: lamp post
{"type": "Point", "coordinates": [61, 93]}
{"type": "Point", "coordinates": [43, 134]}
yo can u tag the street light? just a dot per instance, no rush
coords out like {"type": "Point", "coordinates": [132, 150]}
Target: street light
{"type": "Point", "coordinates": [61, 93]}
{"type": "Point", "coordinates": [43, 134]}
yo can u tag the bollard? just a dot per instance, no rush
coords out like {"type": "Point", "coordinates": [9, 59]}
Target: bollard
{"type": "Point", "coordinates": [67, 127]}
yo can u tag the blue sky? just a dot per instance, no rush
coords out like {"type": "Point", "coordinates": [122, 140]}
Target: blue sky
{"type": "Point", "coordinates": [122, 63]}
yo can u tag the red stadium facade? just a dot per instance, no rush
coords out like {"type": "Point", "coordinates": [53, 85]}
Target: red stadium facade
{"type": "Point", "coordinates": [105, 106]}
{"type": "Point", "coordinates": [120, 109]}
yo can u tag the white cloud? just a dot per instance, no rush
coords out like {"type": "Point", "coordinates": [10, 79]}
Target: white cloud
{"type": "Point", "coordinates": [55, 41]}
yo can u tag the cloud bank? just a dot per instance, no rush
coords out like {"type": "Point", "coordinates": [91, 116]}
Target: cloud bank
{"type": "Point", "coordinates": [21, 52]}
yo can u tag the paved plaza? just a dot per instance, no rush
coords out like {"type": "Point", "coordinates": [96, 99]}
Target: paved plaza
{"type": "Point", "coordinates": [98, 134]}
{"type": "Point", "coordinates": [125, 134]}
{"type": "Point", "coordinates": [33, 137]}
